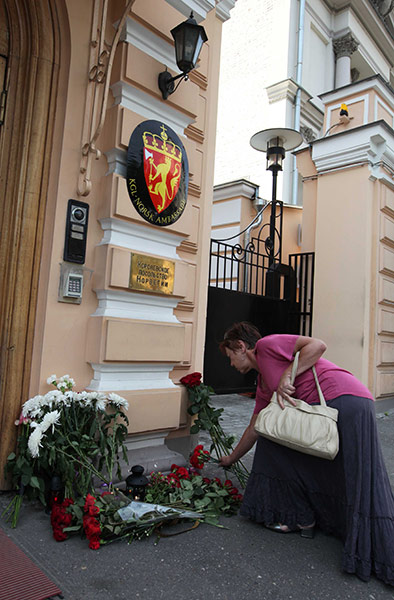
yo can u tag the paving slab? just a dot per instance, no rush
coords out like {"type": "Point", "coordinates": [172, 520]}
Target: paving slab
{"type": "Point", "coordinates": [242, 561]}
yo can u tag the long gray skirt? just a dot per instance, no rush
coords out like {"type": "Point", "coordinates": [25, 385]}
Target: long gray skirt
{"type": "Point", "coordinates": [349, 497]}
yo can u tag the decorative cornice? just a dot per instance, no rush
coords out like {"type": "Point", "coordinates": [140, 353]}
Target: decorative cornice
{"type": "Point", "coordinates": [345, 45]}
{"type": "Point", "coordinates": [117, 162]}
{"type": "Point", "coordinates": [149, 107]}
{"type": "Point", "coordinates": [234, 189]}
{"type": "Point", "coordinates": [200, 8]}
{"type": "Point", "coordinates": [376, 82]}
{"type": "Point", "coordinates": [141, 238]}
{"type": "Point", "coordinates": [133, 305]}
{"type": "Point", "coordinates": [147, 41]}
{"type": "Point", "coordinates": [371, 144]}
{"type": "Point", "coordinates": [283, 90]}
{"type": "Point", "coordinates": [127, 376]}
{"type": "Point", "coordinates": [223, 8]}
{"type": "Point", "coordinates": [307, 134]}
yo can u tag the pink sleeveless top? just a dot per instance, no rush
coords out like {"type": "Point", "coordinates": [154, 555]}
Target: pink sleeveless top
{"type": "Point", "coordinates": [275, 352]}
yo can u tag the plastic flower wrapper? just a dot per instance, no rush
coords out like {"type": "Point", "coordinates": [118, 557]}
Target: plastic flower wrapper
{"type": "Point", "coordinates": [153, 513]}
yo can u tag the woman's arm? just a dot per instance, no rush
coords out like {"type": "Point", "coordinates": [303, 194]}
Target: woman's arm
{"type": "Point", "coordinates": [246, 442]}
{"type": "Point", "coordinates": [311, 349]}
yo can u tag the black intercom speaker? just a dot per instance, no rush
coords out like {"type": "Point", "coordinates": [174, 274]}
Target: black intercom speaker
{"type": "Point", "coordinates": [76, 231]}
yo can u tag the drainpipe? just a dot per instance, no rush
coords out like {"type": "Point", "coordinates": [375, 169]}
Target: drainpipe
{"type": "Point", "coordinates": [297, 106]}
{"type": "Point", "coordinates": [259, 205]}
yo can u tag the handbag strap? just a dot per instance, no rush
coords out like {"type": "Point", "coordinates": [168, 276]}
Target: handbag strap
{"type": "Point", "coordinates": [293, 376]}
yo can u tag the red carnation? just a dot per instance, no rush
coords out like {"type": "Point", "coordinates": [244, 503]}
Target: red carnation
{"type": "Point", "coordinates": [61, 519]}
{"type": "Point", "coordinates": [182, 473]}
{"type": "Point", "coordinates": [173, 479]}
{"type": "Point", "coordinates": [191, 380]}
{"type": "Point", "coordinates": [91, 525]}
{"type": "Point", "coordinates": [94, 544]}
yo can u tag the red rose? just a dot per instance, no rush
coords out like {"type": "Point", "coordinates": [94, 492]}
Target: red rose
{"type": "Point", "coordinates": [218, 481]}
{"type": "Point", "coordinates": [191, 380]}
{"type": "Point", "coordinates": [206, 480]}
{"type": "Point", "coordinates": [228, 483]}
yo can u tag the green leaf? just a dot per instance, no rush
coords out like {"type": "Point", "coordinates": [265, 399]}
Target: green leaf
{"type": "Point", "coordinates": [72, 528]}
{"type": "Point", "coordinates": [11, 456]}
{"type": "Point", "coordinates": [34, 482]}
{"type": "Point", "coordinates": [194, 428]}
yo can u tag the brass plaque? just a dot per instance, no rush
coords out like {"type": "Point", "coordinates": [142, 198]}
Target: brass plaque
{"type": "Point", "coordinates": [150, 274]}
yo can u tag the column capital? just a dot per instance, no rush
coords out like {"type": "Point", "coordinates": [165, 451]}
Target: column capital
{"type": "Point", "coordinates": [345, 45]}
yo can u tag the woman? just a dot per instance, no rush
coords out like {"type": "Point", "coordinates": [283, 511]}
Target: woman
{"type": "Point", "coordinates": [289, 491]}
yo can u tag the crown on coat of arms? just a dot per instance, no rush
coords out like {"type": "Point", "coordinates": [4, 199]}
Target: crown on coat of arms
{"type": "Point", "coordinates": [161, 143]}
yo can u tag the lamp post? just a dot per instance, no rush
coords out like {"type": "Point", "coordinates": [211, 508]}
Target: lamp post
{"type": "Point", "coordinates": [189, 38]}
{"type": "Point", "coordinates": [275, 143]}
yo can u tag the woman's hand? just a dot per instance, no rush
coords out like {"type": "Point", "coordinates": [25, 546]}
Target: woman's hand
{"type": "Point", "coordinates": [226, 461]}
{"type": "Point", "coordinates": [285, 389]}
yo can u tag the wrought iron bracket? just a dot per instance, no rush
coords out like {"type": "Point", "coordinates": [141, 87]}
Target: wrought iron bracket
{"type": "Point", "coordinates": [101, 61]}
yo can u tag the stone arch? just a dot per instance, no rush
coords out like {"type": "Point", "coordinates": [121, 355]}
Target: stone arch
{"type": "Point", "coordinates": [34, 31]}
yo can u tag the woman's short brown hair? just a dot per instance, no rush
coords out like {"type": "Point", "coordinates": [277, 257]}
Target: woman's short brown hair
{"type": "Point", "coordinates": [243, 331]}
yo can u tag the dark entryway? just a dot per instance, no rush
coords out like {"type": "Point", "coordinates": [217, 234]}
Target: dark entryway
{"type": "Point", "coordinates": [252, 284]}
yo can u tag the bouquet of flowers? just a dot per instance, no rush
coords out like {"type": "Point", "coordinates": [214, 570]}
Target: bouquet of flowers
{"type": "Point", "coordinates": [74, 435]}
{"type": "Point", "coordinates": [208, 418]}
{"type": "Point", "coordinates": [182, 494]}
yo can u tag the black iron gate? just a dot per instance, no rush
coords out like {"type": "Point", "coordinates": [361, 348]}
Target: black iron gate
{"type": "Point", "coordinates": [251, 283]}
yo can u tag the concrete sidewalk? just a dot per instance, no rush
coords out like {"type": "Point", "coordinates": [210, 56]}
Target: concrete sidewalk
{"type": "Point", "coordinates": [242, 562]}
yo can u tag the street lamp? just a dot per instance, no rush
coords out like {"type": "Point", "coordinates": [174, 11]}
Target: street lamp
{"type": "Point", "coordinates": [189, 38]}
{"type": "Point", "coordinates": [275, 143]}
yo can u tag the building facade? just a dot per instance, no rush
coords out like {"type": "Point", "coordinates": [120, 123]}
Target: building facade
{"type": "Point", "coordinates": [78, 79]}
{"type": "Point", "coordinates": [294, 63]}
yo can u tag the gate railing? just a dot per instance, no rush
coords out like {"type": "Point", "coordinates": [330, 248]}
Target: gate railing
{"type": "Point", "coordinates": [303, 265]}
{"type": "Point", "coordinates": [256, 269]}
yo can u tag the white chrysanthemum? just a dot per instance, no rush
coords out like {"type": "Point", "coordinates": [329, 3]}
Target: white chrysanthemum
{"type": "Point", "coordinates": [52, 380]}
{"type": "Point", "coordinates": [67, 381]}
{"type": "Point", "coordinates": [69, 397]}
{"type": "Point", "coordinates": [36, 413]}
{"type": "Point", "coordinates": [52, 398]}
{"type": "Point", "coordinates": [34, 442]}
{"type": "Point", "coordinates": [101, 402]}
{"type": "Point", "coordinates": [84, 399]}
{"type": "Point", "coordinates": [118, 400]}
{"type": "Point", "coordinates": [50, 419]}
{"type": "Point", "coordinates": [32, 404]}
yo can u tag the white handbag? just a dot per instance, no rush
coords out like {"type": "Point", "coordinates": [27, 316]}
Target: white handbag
{"type": "Point", "coordinates": [311, 429]}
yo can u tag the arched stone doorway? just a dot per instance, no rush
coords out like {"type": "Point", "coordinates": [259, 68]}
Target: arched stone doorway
{"type": "Point", "coordinates": [30, 36]}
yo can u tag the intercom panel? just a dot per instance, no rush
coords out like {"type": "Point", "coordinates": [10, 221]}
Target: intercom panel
{"type": "Point", "coordinates": [76, 231]}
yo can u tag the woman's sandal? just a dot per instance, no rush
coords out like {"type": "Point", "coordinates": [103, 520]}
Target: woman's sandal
{"type": "Point", "coordinates": [306, 532]}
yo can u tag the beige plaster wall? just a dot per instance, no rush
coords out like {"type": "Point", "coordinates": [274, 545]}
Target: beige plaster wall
{"type": "Point", "coordinates": [342, 302]}
{"type": "Point", "coordinates": [72, 340]}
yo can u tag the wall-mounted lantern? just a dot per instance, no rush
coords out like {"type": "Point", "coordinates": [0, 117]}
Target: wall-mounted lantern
{"type": "Point", "coordinates": [189, 38]}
